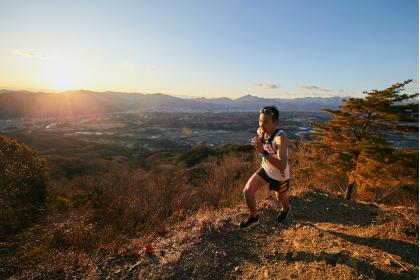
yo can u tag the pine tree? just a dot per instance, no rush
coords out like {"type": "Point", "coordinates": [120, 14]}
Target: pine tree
{"type": "Point", "coordinates": [361, 127]}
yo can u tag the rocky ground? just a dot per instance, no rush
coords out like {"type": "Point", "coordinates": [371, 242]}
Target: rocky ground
{"type": "Point", "coordinates": [327, 238]}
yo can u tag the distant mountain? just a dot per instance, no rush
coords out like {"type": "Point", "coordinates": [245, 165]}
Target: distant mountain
{"type": "Point", "coordinates": [78, 102]}
{"type": "Point", "coordinates": [307, 104]}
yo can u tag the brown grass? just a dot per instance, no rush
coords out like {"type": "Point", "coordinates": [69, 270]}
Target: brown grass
{"type": "Point", "coordinates": [92, 217]}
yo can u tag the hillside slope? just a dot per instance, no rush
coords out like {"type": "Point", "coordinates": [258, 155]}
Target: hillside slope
{"type": "Point", "coordinates": [329, 238]}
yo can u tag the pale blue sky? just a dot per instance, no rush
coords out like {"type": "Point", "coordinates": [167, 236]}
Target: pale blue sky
{"type": "Point", "coordinates": [209, 48]}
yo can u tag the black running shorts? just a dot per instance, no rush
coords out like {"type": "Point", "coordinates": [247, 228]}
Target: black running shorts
{"type": "Point", "coordinates": [278, 186]}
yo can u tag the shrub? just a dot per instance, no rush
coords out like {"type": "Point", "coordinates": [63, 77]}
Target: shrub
{"type": "Point", "coordinates": [23, 180]}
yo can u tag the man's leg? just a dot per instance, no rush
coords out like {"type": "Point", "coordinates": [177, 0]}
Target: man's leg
{"type": "Point", "coordinates": [251, 187]}
{"type": "Point", "coordinates": [283, 198]}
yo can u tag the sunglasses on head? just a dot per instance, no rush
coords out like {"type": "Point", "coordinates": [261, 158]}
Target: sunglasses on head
{"type": "Point", "coordinates": [266, 111]}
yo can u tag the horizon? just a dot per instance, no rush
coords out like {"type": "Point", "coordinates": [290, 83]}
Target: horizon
{"type": "Point", "coordinates": [272, 49]}
{"type": "Point", "coordinates": [153, 93]}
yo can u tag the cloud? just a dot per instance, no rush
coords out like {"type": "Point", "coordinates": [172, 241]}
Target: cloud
{"type": "Point", "coordinates": [30, 54]}
{"type": "Point", "coordinates": [267, 85]}
{"type": "Point", "coordinates": [316, 91]}
{"type": "Point", "coordinates": [315, 88]}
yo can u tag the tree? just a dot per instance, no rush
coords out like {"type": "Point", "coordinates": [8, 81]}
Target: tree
{"type": "Point", "coordinates": [23, 180]}
{"type": "Point", "coordinates": [361, 127]}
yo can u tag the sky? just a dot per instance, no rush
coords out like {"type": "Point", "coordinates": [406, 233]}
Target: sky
{"type": "Point", "coordinates": [273, 49]}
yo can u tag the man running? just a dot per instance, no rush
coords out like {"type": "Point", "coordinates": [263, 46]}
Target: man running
{"type": "Point", "coordinates": [271, 144]}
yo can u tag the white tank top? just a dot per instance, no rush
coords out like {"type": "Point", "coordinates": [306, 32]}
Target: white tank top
{"type": "Point", "coordinates": [272, 171]}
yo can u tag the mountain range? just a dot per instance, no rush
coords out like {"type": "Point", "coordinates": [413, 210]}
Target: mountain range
{"type": "Point", "coordinates": [78, 102]}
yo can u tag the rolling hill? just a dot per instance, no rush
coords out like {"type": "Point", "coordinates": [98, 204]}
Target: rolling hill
{"type": "Point", "coordinates": [15, 104]}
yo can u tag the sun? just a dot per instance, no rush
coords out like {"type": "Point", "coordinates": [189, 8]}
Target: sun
{"type": "Point", "coordinates": [61, 78]}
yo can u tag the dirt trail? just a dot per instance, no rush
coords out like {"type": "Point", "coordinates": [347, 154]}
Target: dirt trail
{"type": "Point", "coordinates": [328, 238]}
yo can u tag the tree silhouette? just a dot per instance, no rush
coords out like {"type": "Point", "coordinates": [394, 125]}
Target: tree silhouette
{"type": "Point", "coordinates": [361, 127]}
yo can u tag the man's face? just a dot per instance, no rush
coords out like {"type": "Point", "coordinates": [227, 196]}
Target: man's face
{"type": "Point", "coordinates": [266, 123]}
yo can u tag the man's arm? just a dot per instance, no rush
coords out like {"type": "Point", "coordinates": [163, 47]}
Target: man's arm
{"type": "Point", "coordinates": [281, 141]}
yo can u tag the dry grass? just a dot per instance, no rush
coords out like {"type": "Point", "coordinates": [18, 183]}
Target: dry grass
{"type": "Point", "coordinates": [93, 217]}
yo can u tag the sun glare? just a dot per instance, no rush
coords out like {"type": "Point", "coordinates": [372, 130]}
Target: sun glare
{"type": "Point", "coordinates": [61, 78]}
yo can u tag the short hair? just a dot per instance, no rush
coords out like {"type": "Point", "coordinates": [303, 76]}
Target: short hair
{"type": "Point", "coordinates": [274, 110]}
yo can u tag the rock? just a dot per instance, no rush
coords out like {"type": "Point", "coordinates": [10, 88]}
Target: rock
{"type": "Point", "coordinates": [237, 269]}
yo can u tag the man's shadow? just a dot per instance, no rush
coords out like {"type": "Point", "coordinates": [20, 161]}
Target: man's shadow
{"type": "Point", "coordinates": [359, 265]}
{"type": "Point", "coordinates": [317, 207]}
{"type": "Point", "coordinates": [407, 251]}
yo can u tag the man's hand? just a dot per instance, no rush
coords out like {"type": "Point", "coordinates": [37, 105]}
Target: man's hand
{"type": "Point", "coordinates": [256, 142]}
{"type": "Point", "coordinates": [260, 132]}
